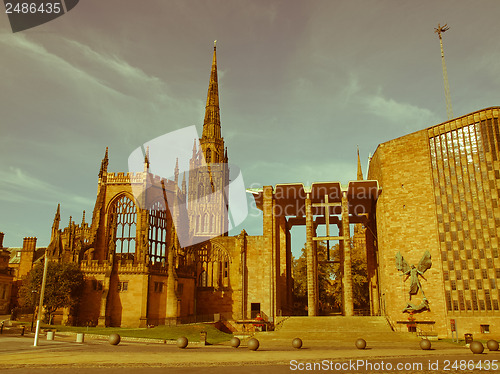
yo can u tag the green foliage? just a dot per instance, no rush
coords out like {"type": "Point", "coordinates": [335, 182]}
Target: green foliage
{"type": "Point", "coordinates": [326, 277]}
{"type": "Point", "coordinates": [330, 280]}
{"type": "Point", "coordinates": [63, 288]}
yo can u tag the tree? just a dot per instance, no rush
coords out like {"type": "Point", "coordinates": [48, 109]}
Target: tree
{"type": "Point", "coordinates": [330, 280]}
{"type": "Point", "coordinates": [63, 288]}
{"type": "Point", "coordinates": [326, 276]}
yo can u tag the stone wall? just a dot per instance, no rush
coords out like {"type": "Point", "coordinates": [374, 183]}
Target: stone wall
{"type": "Point", "coordinates": [406, 223]}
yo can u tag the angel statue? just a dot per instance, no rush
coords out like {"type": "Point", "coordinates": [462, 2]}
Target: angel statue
{"type": "Point", "coordinates": [413, 273]}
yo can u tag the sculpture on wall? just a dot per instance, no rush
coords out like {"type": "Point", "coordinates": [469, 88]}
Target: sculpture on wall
{"type": "Point", "coordinates": [414, 273]}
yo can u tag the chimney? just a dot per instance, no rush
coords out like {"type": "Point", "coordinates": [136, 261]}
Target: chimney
{"type": "Point", "coordinates": [27, 256]}
{"type": "Point", "coordinates": [1, 239]}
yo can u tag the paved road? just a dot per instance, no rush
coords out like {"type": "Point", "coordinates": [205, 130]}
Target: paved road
{"type": "Point", "coordinates": [17, 355]}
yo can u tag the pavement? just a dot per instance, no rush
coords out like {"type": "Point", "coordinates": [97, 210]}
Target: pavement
{"type": "Point", "coordinates": [64, 355]}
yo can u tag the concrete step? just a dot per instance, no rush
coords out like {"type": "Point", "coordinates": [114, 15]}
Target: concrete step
{"type": "Point", "coordinates": [334, 324]}
{"type": "Point", "coordinates": [334, 329]}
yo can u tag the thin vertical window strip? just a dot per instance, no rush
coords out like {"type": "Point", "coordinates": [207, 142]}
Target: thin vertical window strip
{"type": "Point", "coordinates": [459, 172]}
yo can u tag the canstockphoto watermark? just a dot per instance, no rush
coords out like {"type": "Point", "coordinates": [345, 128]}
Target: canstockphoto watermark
{"type": "Point", "coordinates": [215, 199]}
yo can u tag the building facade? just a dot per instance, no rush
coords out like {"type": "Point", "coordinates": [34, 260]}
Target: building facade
{"type": "Point", "coordinates": [427, 215]}
{"type": "Point", "coordinates": [136, 270]}
{"type": "Point", "coordinates": [6, 278]}
{"type": "Point", "coordinates": [440, 194]}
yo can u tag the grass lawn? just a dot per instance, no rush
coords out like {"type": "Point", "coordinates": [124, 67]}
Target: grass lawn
{"type": "Point", "coordinates": [190, 331]}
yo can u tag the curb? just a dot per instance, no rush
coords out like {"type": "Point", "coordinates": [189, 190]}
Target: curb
{"type": "Point", "coordinates": [127, 339]}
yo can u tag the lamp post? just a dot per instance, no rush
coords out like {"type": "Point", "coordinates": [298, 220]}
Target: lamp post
{"type": "Point", "coordinates": [40, 303]}
{"type": "Point", "coordinates": [33, 297]}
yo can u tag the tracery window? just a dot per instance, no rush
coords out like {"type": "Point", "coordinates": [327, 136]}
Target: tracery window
{"type": "Point", "coordinates": [124, 217]}
{"type": "Point", "coordinates": [158, 223]}
{"type": "Point", "coordinates": [208, 157]}
{"type": "Point", "coordinates": [213, 267]}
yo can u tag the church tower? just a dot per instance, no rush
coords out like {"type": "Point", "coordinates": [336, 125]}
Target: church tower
{"type": "Point", "coordinates": [209, 172]}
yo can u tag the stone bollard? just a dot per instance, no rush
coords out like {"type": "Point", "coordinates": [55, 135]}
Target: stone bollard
{"type": "Point", "coordinates": [203, 337]}
{"type": "Point", "coordinates": [253, 344]}
{"type": "Point", "coordinates": [182, 342]}
{"type": "Point", "coordinates": [492, 345]}
{"type": "Point", "coordinates": [114, 339]}
{"type": "Point", "coordinates": [361, 343]}
{"type": "Point", "coordinates": [235, 342]}
{"type": "Point", "coordinates": [22, 330]}
{"type": "Point", "coordinates": [297, 343]}
{"type": "Point", "coordinates": [425, 344]}
{"type": "Point", "coordinates": [50, 335]}
{"type": "Point", "coordinates": [476, 347]}
{"type": "Point", "coordinates": [80, 337]}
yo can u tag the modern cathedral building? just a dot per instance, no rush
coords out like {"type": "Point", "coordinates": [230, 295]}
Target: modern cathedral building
{"type": "Point", "coordinates": [440, 193]}
{"type": "Point", "coordinates": [428, 218]}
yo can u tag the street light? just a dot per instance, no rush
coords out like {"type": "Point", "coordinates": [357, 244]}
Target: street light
{"type": "Point", "coordinates": [33, 297]}
{"type": "Point", "coordinates": [40, 303]}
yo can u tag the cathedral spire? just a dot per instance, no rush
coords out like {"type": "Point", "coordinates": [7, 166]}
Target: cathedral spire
{"type": "Point", "coordinates": [176, 171]}
{"type": "Point", "coordinates": [183, 188]}
{"type": "Point", "coordinates": [360, 171]}
{"type": "Point", "coordinates": [104, 164]}
{"type": "Point", "coordinates": [57, 219]}
{"type": "Point", "coordinates": [146, 160]}
{"type": "Point", "coordinates": [211, 124]}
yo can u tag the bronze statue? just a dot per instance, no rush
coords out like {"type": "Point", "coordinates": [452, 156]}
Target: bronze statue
{"type": "Point", "coordinates": [414, 273]}
{"type": "Point", "coordinates": [413, 308]}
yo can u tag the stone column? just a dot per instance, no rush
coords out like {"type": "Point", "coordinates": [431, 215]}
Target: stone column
{"type": "Point", "coordinates": [143, 322]}
{"type": "Point", "coordinates": [371, 265]}
{"type": "Point", "coordinates": [347, 278]}
{"type": "Point", "coordinates": [312, 296]}
{"type": "Point", "coordinates": [268, 259]}
{"type": "Point", "coordinates": [171, 312]}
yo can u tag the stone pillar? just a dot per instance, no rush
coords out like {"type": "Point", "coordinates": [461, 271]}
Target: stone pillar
{"type": "Point", "coordinates": [282, 268]}
{"type": "Point", "coordinates": [171, 294]}
{"type": "Point", "coordinates": [104, 318]}
{"type": "Point", "coordinates": [268, 255]}
{"type": "Point", "coordinates": [289, 265]}
{"type": "Point", "coordinates": [312, 296]}
{"type": "Point", "coordinates": [241, 245]}
{"type": "Point", "coordinates": [347, 278]}
{"type": "Point", "coordinates": [143, 322]}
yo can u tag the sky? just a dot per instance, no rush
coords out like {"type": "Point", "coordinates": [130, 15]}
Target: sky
{"type": "Point", "coordinates": [301, 85]}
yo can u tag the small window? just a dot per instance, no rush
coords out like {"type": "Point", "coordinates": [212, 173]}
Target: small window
{"type": "Point", "coordinates": [96, 285]}
{"type": "Point", "coordinates": [122, 286]}
{"type": "Point", "coordinates": [180, 289]}
{"type": "Point", "coordinates": [159, 287]}
{"type": "Point", "coordinates": [485, 329]}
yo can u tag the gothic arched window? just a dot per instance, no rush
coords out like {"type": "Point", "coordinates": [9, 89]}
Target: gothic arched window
{"type": "Point", "coordinates": [213, 267]}
{"type": "Point", "coordinates": [123, 218]}
{"type": "Point", "coordinates": [208, 157]}
{"type": "Point", "coordinates": [158, 223]}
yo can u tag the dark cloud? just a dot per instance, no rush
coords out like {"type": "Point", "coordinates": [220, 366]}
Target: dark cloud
{"type": "Point", "coordinates": [301, 85]}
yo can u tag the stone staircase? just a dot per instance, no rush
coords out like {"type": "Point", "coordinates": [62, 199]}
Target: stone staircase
{"type": "Point", "coordinates": [333, 328]}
